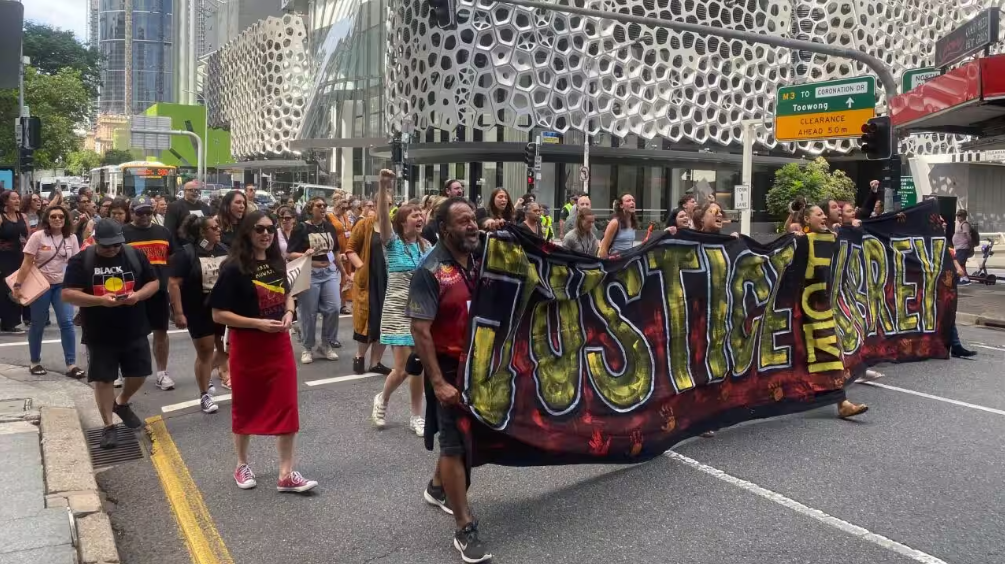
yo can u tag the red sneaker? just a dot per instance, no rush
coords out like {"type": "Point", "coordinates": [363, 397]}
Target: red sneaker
{"type": "Point", "coordinates": [244, 477]}
{"type": "Point", "coordinates": [295, 483]}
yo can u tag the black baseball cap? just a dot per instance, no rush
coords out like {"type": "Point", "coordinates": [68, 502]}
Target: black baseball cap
{"type": "Point", "coordinates": [108, 232]}
{"type": "Point", "coordinates": [142, 202]}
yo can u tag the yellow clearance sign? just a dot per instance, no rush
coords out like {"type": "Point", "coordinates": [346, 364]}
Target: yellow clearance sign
{"type": "Point", "coordinates": [830, 125]}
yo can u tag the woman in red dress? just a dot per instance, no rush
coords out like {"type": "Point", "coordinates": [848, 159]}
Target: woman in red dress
{"type": "Point", "coordinates": [252, 298]}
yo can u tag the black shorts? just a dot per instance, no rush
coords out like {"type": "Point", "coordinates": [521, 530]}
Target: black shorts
{"type": "Point", "coordinates": [131, 358]}
{"type": "Point", "coordinates": [413, 366]}
{"type": "Point", "coordinates": [200, 321]}
{"type": "Point", "coordinates": [451, 440]}
{"type": "Point", "coordinates": [159, 311]}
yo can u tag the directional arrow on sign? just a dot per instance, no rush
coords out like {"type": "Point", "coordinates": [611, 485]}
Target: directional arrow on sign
{"type": "Point", "coordinates": [850, 102]}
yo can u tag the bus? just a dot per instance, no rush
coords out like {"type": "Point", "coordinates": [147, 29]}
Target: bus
{"type": "Point", "coordinates": [135, 178]}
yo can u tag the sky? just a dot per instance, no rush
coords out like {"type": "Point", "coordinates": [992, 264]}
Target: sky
{"type": "Point", "coordinates": [65, 14]}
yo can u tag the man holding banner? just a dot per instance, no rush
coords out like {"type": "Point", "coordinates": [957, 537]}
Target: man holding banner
{"type": "Point", "coordinates": [438, 303]}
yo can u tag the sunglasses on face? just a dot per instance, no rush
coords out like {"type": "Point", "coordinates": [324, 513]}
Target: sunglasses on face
{"type": "Point", "coordinates": [261, 229]}
{"type": "Point", "coordinates": [287, 218]}
{"type": "Point", "coordinates": [143, 212]}
{"type": "Point", "coordinates": [58, 216]}
{"type": "Point", "coordinates": [320, 205]}
{"type": "Point", "coordinates": [111, 247]}
{"type": "Point", "coordinates": [213, 227]}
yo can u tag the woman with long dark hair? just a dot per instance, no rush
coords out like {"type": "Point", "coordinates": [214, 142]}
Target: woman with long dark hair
{"type": "Point", "coordinates": [497, 212]}
{"type": "Point", "coordinates": [13, 235]}
{"type": "Point", "coordinates": [31, 208]}
{"type": "Point", "coordinates": [192, 272]}
{"type": "Point", "coordinates": [49, 249]}
{"type": "Point", "coordinates": [105, 207]}
{"type": "Point", "coordinates": [619, 236]}
{"type": "Point", "coordinates": [404, 250]}
{"type": "Point", "coordinates": [316, 237]}
{"type": "Point", "coordinates": [252, 298]}
{"type": "Point", "coordinates": [229, 215]}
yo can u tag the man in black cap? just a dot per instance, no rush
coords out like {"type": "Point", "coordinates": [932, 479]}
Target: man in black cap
{"type": "Point", "coordinates": [109, 281]}
{"type": "Point", "coordinates": [155, 242]}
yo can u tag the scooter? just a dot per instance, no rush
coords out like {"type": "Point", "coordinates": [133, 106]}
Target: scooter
{"type": "Point", "coordinates": [981, 274]}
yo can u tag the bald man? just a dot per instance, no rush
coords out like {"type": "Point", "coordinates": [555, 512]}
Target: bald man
{"type": "Point", "coordinates": [180, 209]}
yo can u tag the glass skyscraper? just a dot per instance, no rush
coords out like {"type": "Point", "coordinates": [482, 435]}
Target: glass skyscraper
{"type": "Point", "coordinates": [135, 39]}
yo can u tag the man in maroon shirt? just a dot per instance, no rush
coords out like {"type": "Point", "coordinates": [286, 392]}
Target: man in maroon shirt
{"type": "Point", "coordinates": [438, 301]}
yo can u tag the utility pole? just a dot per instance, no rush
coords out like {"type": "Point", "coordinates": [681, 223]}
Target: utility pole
{"type": "Point", "coordinates": [22, 124]}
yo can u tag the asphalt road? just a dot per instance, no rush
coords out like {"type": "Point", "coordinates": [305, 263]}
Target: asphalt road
{"type": "Point", "coordinates": [916, 479]}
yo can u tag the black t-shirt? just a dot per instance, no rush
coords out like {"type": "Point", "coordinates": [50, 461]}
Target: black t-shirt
{"type": "Point", "coordinates": [155, 243]}
{"type": "Point", "coordinates": [199, 270]}
{"type": "Point", "coordinates": [261, 296]}
{"type": "Point", "coordinates": [322, 238]}
{"type": "Point", "coordinates": [430, 233]}
{"type": "Point", "coordinates": [179, 210]}
{"type": "Point", "coordinates": [107, 326]}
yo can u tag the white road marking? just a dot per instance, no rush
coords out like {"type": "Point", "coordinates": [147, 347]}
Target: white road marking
{"type": "Point", "coordinates": [841, 525]}
{"type": "Point", "coordinates": [987, 347]}
{"type": "Point", "coordinates": [192, 403]}
{"type": "Point", "coordinates": [52, 341]}
{"type": "Point", "coordinates": [936, 398]}
{"type": "Point", "coordinates": [336, 379]}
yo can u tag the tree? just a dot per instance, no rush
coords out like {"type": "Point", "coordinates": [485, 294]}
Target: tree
{"type": "Point", "coordinates": [52, 49]}
{"type": "Point", "coordinates": [79, 163]}
{"type": "Point", "coordinates": [116, 156]}
{"type": "Point", "coordinates": [813, 181]}
{"type": "Point", "coordinates": [61, 101]}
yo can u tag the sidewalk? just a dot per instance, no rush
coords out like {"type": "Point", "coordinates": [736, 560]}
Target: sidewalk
{"type": "Point", "coordinates": [981, 305]}
{"type": "Point", "coordinates": [51, 509]}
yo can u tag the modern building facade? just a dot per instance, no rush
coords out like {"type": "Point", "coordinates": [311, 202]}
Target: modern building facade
{"type": "Point", "coordinates": [660, 111]}
{"type": "Point", "coordinates": [135, 38]}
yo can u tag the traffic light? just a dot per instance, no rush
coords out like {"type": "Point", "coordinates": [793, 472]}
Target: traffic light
{"type": "Point", "coordinates": [530, 155]}
{"type": "Point", "coordinates": [26, 159]}
{"type": "Point", "coordinates": [877, 138]}
{"type": "Point", "coordinates": [34, 129]}
{"type": "Point", "coordinates": [442, 14]}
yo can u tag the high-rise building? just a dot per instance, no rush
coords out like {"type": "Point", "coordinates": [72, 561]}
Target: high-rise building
{"type": "Point", "coordinates": [135, 38]}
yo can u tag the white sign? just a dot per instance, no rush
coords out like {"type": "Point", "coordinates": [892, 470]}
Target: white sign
{"type": "Point", "coordinates": [842, 89]}
{"type": "Point", "coordinates": [151, 141]}
{"type": "Point", "coordinates": [584, 174]}
{"type": "Point", "coordinates": [923, 77]}
{"type": "Point", "coordinates": [741, 197]}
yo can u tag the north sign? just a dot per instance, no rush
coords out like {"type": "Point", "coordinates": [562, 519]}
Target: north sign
{"type": "Point", "coordinates": [836, 109]}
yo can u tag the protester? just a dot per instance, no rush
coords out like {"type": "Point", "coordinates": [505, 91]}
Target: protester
{"type": "Point", "coordinates": [13, 234]}
{"type": "Point", "coordinates": [404, 249]}
{"type": "Point", "coordinates": [682, 219]}
{"type": "Point", "coordinates": [109, 281]}
{"type": "Point", "coordinates": [49, 249]}
{"type": "Point", "coordinates": [497, 212]}
{"type": "Point", "coordinates": [154, 242]}
{"type": "Point", "coordinates": [317, 238]}
{"type": "Point", "coordinates": [252, 298]}
{"type": "Point", "coordinates": [438, 300]}
{"type": "Point", "coordinates": [105, 207]}
{"type": "Point", "coordinates": [31, 209]}
{"type": "Point", "coordinates": [229, 215]}
{"type": "Point", "coordinates": [963, 244]}
{"type": "Point", "coordinates": [546, 224]}
{"type": "Point", "coordinates": [366, 254]}
{"type": "Point", "coordinates": [429, 212]}
{"type": "Point", "coordinates": [193, 272]}
{"type": "Point", "coordinates": [452, 188]}
{"type": "Point", "coordinates": [582, 238]}
{"type": "Point", "coordinates": [339, 218]}
{"type": "Point", "coordinates": [160, 208]}
{"type": "Point", "coordinates": [566, 217]}
{"type": "Point", "coordinates": [619, 236]}
{"type": "Point", "coordinates": [532, 219]}
{"type": "Point", "coordinates": [249, 195]}
{"type": "Point", "coordinates": [189, 204]}
{"type": "Point", "coordinates": [287, 222]}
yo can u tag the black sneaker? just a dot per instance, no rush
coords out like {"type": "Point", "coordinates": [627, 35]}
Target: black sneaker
{"type": "Point", "coordinates": [108, 438]}
{"type": "Point", "coordinates": [437, 497]}
{"type": "Point", "coordinates": [380, 369]}
{"type": "Point", "coordinates": [471, 549]}
{"type": "Point", "coordinates": [127, 416]}
{"type": "Point", "coordinates": [960, 352]}
{"type": "Point", "coordinates": [357, 365]}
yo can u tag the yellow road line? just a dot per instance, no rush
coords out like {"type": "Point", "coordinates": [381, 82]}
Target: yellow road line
{"type": "Point", "coordinates": [205, 545]}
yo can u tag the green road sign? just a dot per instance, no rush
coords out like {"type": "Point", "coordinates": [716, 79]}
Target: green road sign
{"type": "Point", "coordinates": [835, 109]}
{"type": "Point", "coordinates": [908, 193]}
{"type": "Point", "coordinates": [916, 77]}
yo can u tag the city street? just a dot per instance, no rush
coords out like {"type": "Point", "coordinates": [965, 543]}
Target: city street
{"type": "Point", "coordinates": [916, 479]}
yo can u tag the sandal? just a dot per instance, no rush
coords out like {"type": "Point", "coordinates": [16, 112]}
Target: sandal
{"type": "Point", "coordinates": [37, 370]}
{"type": "Point", "coordinates": [76, 373]}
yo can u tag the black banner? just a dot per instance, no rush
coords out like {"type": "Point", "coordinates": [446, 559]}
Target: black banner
{"type": "Point", "coordinates": [576, 360]}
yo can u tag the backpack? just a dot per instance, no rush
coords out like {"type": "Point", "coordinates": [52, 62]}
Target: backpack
{"type": "Point", "coordinates": [90, 256]}
{"type": "Point", "coordinates": [975, 236]}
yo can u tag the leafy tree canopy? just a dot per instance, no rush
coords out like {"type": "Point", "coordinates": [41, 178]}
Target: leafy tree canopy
{"type": "Point", "coordinates": [116, 156]}
{"type": "Point", "coordinates": [80, 163]}
{"type": "Point", "coordinates": [813, 180]}
{"type": "Point", "coordinates": [61, 101]}
{"type": "Point", "coordinates": [52, 49]}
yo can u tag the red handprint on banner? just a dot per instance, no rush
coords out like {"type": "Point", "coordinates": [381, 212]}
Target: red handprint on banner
{"type": "Point", "coordinates": [776, 391]}
{"type": "Point", "coordinates": [598, 446]}
{"type": "Point", "coordinates": [669, 420]}
{"type": "Point", "coordinates": [636, 440]}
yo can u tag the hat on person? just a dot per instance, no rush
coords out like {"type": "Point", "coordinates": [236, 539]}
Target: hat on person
{"type": "Point", "coordinates": [108, 232]}
{"type": "Point", "coordinates": [141, 203]}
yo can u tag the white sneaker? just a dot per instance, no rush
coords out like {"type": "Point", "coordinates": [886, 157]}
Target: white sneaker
{"type": "Point", "coordinates": [211, 390]}
{"type": "Point", "coordinates": [870, 375]}
{"type": "Point", "coordinates": [418, 424]}
{"type": "Point", "coordinates": [164, 381]}
{"type": "Point", "coordinates": [328, 352]}
{"type": "Point", "coordinates": [306, 357]}
{"type": "Point", "coordinates": [207, 404]}
{"type": "Point", "coordinates": [379, 411]}
{"type": "Point", "coordinates": [118, 382]}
